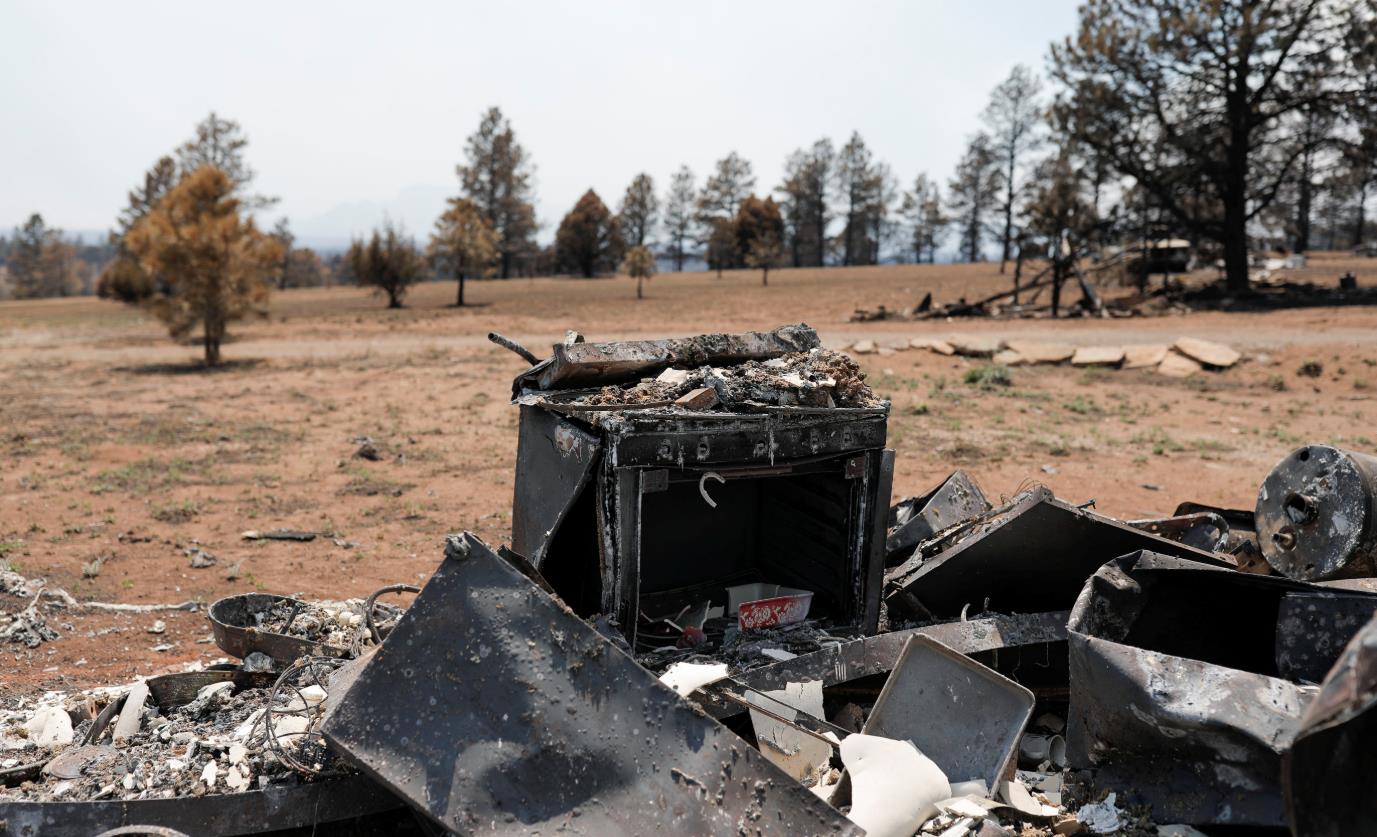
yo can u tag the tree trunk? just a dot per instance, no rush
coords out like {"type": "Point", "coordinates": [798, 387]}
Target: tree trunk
{"type": "Point", "coordinates": [1360, 216]}
{"type": "Point", "coordinates": [1008, 216]}
{"type": "Point", "coordinates": [506, 264]}
{"type": "Point", "coordinates": [1018, 271]}
{"type": "Point", "coordinates": [1303, 202]}
{"type": "Point", "coordinates": [213, 334]}
{"type": "Point", "coordinates": [1058, 274]}
{"type": "Point", "coordinates": [765, 277]}
{"type": "Point", "coordinates": [459, 302]}
{"type": "Point", "coordinates": [1234, 236]}
{"type": "Point", "coordinates": [393, 301]}
{"type": "Point", "coordinates": [640, 280]}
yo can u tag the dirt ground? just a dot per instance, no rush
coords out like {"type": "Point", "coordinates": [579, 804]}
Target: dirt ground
{"type": "Point", "coordinates": [118, 453]}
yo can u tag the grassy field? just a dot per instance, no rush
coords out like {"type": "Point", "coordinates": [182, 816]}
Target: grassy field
{"type": "Point", "coordinates": [117, 453]}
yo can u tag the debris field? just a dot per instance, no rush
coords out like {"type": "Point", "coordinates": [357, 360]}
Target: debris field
{"type": "Point", "coordinates": [712, 619]}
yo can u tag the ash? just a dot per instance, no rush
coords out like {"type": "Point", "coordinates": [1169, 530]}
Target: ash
{"type": "Point", "coordinates": [218, 743]}
{"type": "Point", "coordinates": [336, 624]}
{"type": "Point", "coordinates": [816, 378]}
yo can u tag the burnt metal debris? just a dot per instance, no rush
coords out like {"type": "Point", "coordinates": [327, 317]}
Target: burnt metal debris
{"type": "Point", "coordinates": [1030, 555]}
{"type": "Point", "coordinates": [1317, 514]}
{"type": "Point", "coordinates": [711, 620]}
{"type": "Point", "coordinates": [1328, 770]}
{"type": "Point", "coordinates": [1184, 692]}
{"type": "Point", "coordinates": [916, 519]}
{"type": "Point", "coordinates": [635, 507]}
{"type": "Point", "coordinates": [525, 718]}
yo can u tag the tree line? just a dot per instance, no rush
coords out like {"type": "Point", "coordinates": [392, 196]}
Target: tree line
{"type": "Point", "coordinates": [1228, 122]}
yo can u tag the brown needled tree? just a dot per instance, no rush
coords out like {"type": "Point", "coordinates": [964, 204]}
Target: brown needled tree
{"type": "Point", "coordinates": [639, 264]}
{"type": "Point", "coordinates": [389, 262]}
{"type": "Point", "coordinates": [213, 263]}
{"type": "Point", "coordinates": [464, 243]}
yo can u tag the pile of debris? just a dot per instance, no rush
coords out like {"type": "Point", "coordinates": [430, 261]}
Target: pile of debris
{"type": "Point", "coordinates": [234, 742]}
{"type": "Point", "coordinates": [1182, 358]}
{"type": "Point", "coordinates": [1268, 290]}
{"type": "Point", "coordinates": [713, 621]}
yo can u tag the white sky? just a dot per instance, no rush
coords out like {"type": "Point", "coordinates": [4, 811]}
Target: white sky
{"type": "Point", "coordinates": [356, 109]}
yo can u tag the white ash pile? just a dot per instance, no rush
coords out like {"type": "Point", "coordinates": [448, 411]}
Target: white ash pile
{"type": "Point", "coordinates": [21, 619]}
{"type": "Point", "coordinates": [816, 378]}
{"type": "Point", "coordinates": [226, 739]}
{"type": "Point", "coordinates": [338, 624]}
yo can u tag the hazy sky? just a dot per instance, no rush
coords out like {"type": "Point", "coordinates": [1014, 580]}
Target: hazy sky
{"type": "Point", "coordinates": [356, 109]}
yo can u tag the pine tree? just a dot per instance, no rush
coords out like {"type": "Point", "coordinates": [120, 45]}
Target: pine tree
{"type": "Point", "coordinates": [718, 203]}
{"type": "Point", "coordinates": [390, 262]}
{"type": "Point", "coordinates": [497, 178]}
{"type": "Point", "coordinates": [464, 243]}
{"type": "Point", "coordinates": [972, 193]}
{"type": "Point", "coordinates": [922, 209]}
{"type": "Point", "coordinates": [1013, 117]}
{"type": "Point", "coordinates": [214, 263]}
{"type": "Point", "coordinates": [589, 238]}
{"type": "Point", "coordinates": [639, 210]}
{"type": "Point", "coordinates": [639, 264]}
{"type": "Point", "coordinates": [679, 215]}
{"type": "Point", "coordinates": [808, 175]}
{"type": "Point", "coordinates": [1197, 101]}
{"type": "Point", "coordinates": [40, 262]}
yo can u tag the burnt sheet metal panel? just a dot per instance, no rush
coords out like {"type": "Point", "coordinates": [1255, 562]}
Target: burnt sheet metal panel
{"type": "Point", "coordinates": [599, 364]}
{"type": "Point", "coordinates": [916, 519]}
{"type": "Point", "coordinates": [1312, 628]}
{"type": "Point", "coordinates": [554, 459]}
{"type": "Point", "coordinates": [878, 654]}
{"type": "Point", "coordinates": [492, 708]}
{"type": "Point", "coordinates": [1030, 556]}
{"type": "Point", "coordinates": [1175, 702]}
{"type": "Point", "coordinates": [1317, 514]}
{"type": "Point", "coordinates": [928, 699]}
{"type": "Point", "coordinates": [1202, 530]}
{"type": "Point", "coordinates": [872, 575]}
{"type": "Point", "coordinates": [781, 435]}
{"type": "Point", "coordinates": [1327, 774]}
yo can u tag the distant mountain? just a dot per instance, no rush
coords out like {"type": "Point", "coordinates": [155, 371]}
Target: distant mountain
{"type": "Point", "coordinates": [415, 208]}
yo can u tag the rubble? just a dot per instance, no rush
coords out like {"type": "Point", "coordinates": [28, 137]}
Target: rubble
{"type": "Point", "coordinates": [710, 620]}
{"type": "Point", "coordinates": [1192, 723]}
{"type": "Point", "coordinates": [1326, 770]}
{"type": "Point", "coordinates": [284, 628]}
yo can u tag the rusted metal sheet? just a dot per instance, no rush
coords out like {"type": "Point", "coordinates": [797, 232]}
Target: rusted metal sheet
{"type": "Point", "coordinates": [231, 623]}
{"type": "Point", "coordinates": [1327, 773]}
{"type": "Point", "coordinates": [597, 364]}
{"type": "Point", "coordinates": [523, 718]}
{"type": "Point", "coordinates": [915, 519]}
{"type": "Point", "coordinates": [1029, 556]}
{"type": "Point", "coordinates": [1177, 700]}
{"type": "Point", "coordinates": [555, 459]}
{"type": "Point", "coordinates": [1315, 514]}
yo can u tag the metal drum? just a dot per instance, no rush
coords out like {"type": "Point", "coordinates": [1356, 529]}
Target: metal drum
{"type": "Point", "coordinates": [1315, 514]}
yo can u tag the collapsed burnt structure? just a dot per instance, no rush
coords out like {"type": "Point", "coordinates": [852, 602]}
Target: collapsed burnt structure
{"type": "Point", "coordinates": [711, 621]}
{"type": "Point", "coordinates": [654, 475]}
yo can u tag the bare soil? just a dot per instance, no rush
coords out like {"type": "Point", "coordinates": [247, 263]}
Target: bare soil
{"type": "Point", "coordinates": [115, 444]}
